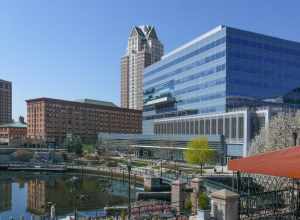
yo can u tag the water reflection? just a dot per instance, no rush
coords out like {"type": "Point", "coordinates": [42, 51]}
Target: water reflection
{"type": "Point", "coordinates": [5, 196]}
{"type": "Point", "coordinates": [30, 195]}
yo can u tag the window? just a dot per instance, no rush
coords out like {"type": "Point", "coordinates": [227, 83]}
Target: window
{"type": "Point", "coordinates": [192, 130]}
{"type": "Point", "coordinates": [207, 126]}
{"type": "Point", "coordinates": [220, 126]}
{"type": "Point", "coordinates": [213, 127]}
{"type": "Point", "coordinates": [227, 126]}
{"type": "Point", "coordinates": [233, 128]}
{"type": "Point", "coordinates": [201, 127]}
{"type": "Point", "coordinates": [196, 127]}
{"type": "Point", "coordinates": [241, 127]}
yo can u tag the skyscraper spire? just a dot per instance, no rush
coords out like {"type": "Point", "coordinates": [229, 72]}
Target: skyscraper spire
{"type": "Point", "coordinates": [144, 49]}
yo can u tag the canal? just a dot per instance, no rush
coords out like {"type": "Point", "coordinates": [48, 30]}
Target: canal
{"type": "Point", "coordinates": [30, 194]}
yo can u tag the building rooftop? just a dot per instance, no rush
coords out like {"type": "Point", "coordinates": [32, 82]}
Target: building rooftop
{"type": "Point", "coordinates": [97, 102]}
{"type": "Point", "coordinates": [86, 102]}
{"type": "Point", "coordinates": [212, 32]}
{"type": "Point", "coordinates": [14, 125]}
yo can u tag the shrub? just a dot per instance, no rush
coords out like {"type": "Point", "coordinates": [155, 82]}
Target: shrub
{"type": "Point", "coordinates": [23, 155]}
{"type": "Point", "coordinates": [203, 201]}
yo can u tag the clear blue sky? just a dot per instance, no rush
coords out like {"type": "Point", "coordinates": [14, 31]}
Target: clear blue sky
{"type": "Point", "coordinates": [71, 49]}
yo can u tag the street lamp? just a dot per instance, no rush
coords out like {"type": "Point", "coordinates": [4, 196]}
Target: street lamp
{"type": "Point", "coordinates": [295, 136]}
{"type": "Point", "coordinates": [129, 165]}
{"type": "Point", "coordinates": [161, 166]}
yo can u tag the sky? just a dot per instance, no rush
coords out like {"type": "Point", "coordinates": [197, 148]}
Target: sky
{"type": "Point", "coordinates": [71, 49]}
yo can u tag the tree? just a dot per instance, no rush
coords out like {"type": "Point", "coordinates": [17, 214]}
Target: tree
{"type": "Point", "coordinates": [278, 134]}
{"type": "Point", "coordinates": [198, 152]}
{"type": "Point", "coordinates": [23, 155]}
{"type": "Point", "coordinates": [203, 201]}
{"type": "Point", "coordinates": [74, 144]}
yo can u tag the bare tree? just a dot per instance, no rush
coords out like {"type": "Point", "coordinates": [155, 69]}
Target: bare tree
{"type": "Point", "coordinates": [278, 135]}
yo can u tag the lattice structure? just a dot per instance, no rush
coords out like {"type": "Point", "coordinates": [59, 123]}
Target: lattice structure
{"type": "Point", "coordinates": [267, 197]}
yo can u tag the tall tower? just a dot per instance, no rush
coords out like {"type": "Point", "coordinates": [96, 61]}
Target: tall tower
{"type": "Point", "coordinates": [143, 49]}
{"type": "Point", "coordinates": [5, 101]}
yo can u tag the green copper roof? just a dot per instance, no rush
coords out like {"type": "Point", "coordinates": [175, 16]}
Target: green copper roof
{"type": "Point", "coordinates": [13, 125]}
{"type": "Point", "coordinates": [96, 102]}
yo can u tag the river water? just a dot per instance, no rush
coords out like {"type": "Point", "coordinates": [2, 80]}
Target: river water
{"type": "Point", "coordinates": [30, 194]}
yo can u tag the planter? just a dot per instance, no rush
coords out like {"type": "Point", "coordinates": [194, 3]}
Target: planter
{"type": "Point", "coordinates": [203, 214]}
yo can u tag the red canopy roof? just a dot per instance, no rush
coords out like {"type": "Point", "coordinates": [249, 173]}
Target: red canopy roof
{"type": "Point", "coordinates": [285, 163]}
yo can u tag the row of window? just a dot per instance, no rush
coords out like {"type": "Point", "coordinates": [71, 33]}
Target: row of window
{"type": "Point", "coordinates": [258, 58]}
{"type": "Point", "coordinates": [230, 127]}
{"type": "Point", "coordinates": [202, 98]}
{"type": "Point", "coordinates": [197, 63]}
{"type": "Point", "coordinates": [267, 47]}
{"type": "Point", "coordinates": [187, 56]}
{"type": "Point", "coordinates": [170, 84]}
{"type": "Point", "coordinates": [201, 86]}
{"type": "Point", "coordinates": [205, 110]}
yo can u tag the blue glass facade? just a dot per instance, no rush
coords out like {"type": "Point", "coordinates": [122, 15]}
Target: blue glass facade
{"type": "Point", "coordinates": [224, 64]}
{"type": "Point", "coordinates": [260, 66]}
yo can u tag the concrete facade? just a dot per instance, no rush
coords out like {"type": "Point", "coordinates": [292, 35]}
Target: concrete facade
{"type": "Point", "coordinates": [144, 48]}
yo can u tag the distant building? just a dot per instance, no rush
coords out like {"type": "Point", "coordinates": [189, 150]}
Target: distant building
{"type": "Point", "coordinates": [13, 134]}
{"type": "Point", "coordinates": [52, 120]}
{"type": "Point", "coordinates": [5, 101]}
{"type": "Point", "coordinates": [144, 48]}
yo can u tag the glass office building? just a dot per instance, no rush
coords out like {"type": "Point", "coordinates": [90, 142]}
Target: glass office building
{"type": "Point", "coordinates": [221, 70]}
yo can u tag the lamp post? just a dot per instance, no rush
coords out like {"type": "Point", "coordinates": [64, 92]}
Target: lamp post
{"type": "Point", "coordinates": [295, 137]}
{"type": "Point", "coordinates": [161, 166]}
{"type": "Point", "coordinates": [129, 165]}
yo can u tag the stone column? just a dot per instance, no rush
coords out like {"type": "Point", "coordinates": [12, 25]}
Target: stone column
{"type": "Point", "coordinates": [225, 205]}
{"type": "Point", "coordinates": [178, 195]}
{"type": "Point", "coordinates": [197, 186]}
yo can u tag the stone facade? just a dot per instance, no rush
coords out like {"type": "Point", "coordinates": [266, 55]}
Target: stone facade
{"type": "Point", "coordinates": [225, 205]}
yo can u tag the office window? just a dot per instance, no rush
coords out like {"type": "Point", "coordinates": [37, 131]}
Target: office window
{"type": "Point", "coordinates": [196, 127]}
{"type": "Point", "coordinates": [192, 130]}
{"type": "Point", "coordinates": [175, 127]}
{"type": "Point", "coordinates": [233, 128]}
{"type": "Point", "coordinates": [207, 126]}
{"type": "Point", "coordinates": [213, 126]}
{"type": "Point", "coordinates": [220, 126]}
{"type": "Point", "coordinates": [227, 126]}
{"type": "Point", "coordinates": [241, 127]}
{"type": "Point", "coordinates": [179, 127]}
{"type": "Point", "coordinates": [201, 127]}
{"type": "Point", "coordinates": [183, 127]}
{"type": "Point", "coordinates": [187, 131]}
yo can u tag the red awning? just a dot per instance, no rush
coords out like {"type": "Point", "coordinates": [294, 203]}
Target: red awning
{"type": "Point", "coordinates": [285, 163]}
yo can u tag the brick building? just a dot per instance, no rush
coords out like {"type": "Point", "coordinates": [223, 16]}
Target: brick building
{"type": "Point", "coordinates": [51, 120]}
{"type": "Point", "coordinates": [5, 101]}
{"type": "Point", "coordinates": [13, 134]}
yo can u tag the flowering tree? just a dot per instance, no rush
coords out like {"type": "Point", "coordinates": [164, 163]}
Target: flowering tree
{"type": "Point", "coordinates": [278, 134]}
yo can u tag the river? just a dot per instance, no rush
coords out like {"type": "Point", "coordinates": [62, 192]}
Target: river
{"type": "Point", "coordinates": [30, 194]}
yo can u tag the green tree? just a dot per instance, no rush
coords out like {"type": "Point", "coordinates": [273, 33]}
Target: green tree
{"type": "Point", "coordinates": [199, 152]}
{"type": "Point", "coordinates": [74, 144]}
{"type": "Point", "coordinates": [203, 201]}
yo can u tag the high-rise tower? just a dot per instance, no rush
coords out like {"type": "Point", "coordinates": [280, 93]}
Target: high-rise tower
{"type": "Point", "coordinates": [143, 49]}
{"type": "Point", "coordinates": [5, 101]}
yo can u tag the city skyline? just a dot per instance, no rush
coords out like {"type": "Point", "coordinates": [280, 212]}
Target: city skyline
{"type": "Point", "coordinates": [71, 64]}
